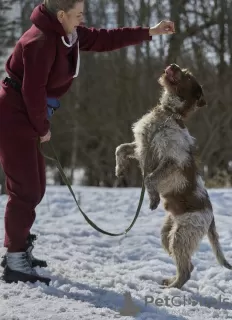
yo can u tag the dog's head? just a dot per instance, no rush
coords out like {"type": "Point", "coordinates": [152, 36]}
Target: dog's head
{"type": "Point", "coordinates": [182, 84]}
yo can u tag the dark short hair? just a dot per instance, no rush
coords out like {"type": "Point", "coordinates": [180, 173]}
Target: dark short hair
{"type": "Point", "coordinates": [55, 5]}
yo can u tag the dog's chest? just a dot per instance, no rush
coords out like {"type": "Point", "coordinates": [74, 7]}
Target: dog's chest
{"type": "Point", "coordinates": [165, 139]}
{"type": "Point", "coordinates": [144, 131]}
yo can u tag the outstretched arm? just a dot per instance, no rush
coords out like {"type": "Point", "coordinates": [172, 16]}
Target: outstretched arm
{"type": "Point", "coordinates": [101, 40]}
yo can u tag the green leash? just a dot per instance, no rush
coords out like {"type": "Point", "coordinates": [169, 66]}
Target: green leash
{"type": "Point", "coordinates": [65, 179]}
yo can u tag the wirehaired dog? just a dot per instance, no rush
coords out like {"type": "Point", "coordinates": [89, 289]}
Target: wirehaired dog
{"type": "Point", "coordinates": [166, 154]}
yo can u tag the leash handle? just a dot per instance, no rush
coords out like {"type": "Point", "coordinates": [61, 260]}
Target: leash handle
{"type": "Point", "coordinates": [65, 179]}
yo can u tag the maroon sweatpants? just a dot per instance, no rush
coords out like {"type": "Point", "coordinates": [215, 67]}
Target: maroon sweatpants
{"type": "Point", "coordinates": [24, 167]}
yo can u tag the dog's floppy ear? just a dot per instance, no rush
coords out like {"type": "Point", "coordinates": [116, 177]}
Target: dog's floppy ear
{"type": "Point", "coordinates": [201, 102]}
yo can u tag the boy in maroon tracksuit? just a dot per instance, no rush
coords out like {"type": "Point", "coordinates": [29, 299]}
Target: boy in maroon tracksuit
{"type": "Point", "coordinates": [43, 65]}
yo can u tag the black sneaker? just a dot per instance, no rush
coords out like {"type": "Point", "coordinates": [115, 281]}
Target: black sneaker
{"type": "Point", "coordinates": [18, 268]}
{"type": "Point", "coordinates": [34, 261]}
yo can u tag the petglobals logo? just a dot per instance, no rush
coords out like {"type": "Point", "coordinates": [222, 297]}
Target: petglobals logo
{"type": "Point", "coordinates": [178, 301]}
{"type": "Point", "coordinates": [131, 309]}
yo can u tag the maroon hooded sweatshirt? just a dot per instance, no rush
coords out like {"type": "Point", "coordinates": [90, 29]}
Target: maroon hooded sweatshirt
{"type": "Point", "coordinates": [45, 66]}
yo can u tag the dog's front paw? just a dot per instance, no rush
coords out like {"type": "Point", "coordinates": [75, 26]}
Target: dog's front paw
{"type": "Point", "coordinates": [154, 202]}
{"type": "Point", "coordinates": [119, 172]}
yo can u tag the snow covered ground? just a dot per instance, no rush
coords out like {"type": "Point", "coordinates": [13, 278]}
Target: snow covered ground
{"type": "Point", "coordinates": [91, 272]}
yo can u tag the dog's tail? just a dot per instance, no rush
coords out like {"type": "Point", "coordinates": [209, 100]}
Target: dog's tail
{"type": "Point", "coordinates": [214, 241]}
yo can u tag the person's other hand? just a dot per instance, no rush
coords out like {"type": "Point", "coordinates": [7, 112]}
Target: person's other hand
{"type": "Point", "coordinates": [46, 138]}
{"type": "Point", "coordinates": [164, 27]}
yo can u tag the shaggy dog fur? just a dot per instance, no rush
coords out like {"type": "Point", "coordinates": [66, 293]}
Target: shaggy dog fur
{"type": "Point", "coordinates": [163, 146]}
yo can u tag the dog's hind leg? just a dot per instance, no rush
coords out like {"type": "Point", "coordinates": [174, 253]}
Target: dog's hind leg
{"type": "Point", "coordinates": [182, 257]}
{"type": "Point", "coordinates": [168, 224]}
{"type": "Point", "coordinates": [184, 240]}
{"type": "Point", "coordinates": [123, 153]}
{"type": "Point", "coordinates": [168, 281]}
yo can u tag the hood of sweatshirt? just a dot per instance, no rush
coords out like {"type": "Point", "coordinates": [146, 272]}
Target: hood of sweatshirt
{"type": "Point", "coordinates": [46, 21]}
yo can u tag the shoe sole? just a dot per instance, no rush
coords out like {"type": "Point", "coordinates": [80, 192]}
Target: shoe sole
{"type": "Point", "coordinates": [9, 281]}
{"type": "Point", "coordinates": [41, 264]}
{"type": "Point", "coordinates": [10, 276]}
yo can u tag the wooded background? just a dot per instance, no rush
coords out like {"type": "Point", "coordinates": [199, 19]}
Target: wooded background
{"type": "Point", "coordinates": [115, 89]}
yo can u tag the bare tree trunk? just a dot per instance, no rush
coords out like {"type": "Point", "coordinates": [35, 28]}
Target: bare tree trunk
{"type": "Point", "coordinates": [176, 7]}
{"type": "Point", "coordinates": [222, 40]}
{"type": "Point", "coordinates": [221, 83]}
{"type": "Point", "coordinates": [229, 23]}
